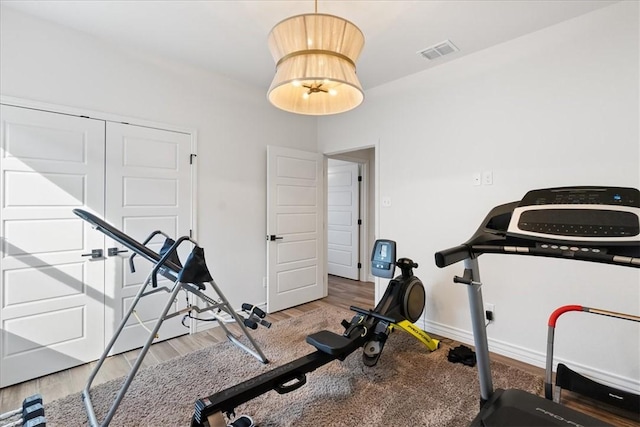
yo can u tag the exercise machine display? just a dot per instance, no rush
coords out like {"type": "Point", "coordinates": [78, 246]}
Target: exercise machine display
{"type": "Point", "coordinates": [191, 278]}
{"type": "Point", "coordinates": [400, 306]}
{"type": "Point", "coordinates": [593, 224]}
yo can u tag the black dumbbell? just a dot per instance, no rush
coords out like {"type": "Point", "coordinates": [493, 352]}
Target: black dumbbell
{"type": "Point", "coordinates": [33, 413]}
{"type": "Point", "coordinates": [40, 421]}
{"type": "Point", "coordinates": [27, 402]}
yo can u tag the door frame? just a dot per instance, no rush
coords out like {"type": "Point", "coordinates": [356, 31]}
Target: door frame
{"type": "Point", "coordinates": [364, 274]}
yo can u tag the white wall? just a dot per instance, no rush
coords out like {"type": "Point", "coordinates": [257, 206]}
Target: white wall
{"type": "Point", "coordinates": [234, 122]}
{"type": "Point", "coordinates": [557, 107]}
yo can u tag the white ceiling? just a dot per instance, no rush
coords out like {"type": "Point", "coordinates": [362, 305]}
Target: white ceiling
{"type": "Point", "coordinates": [230, 37]}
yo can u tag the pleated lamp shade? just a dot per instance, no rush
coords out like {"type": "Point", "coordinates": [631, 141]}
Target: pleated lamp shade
{"type": "Point", "coordinates": [315, 57]}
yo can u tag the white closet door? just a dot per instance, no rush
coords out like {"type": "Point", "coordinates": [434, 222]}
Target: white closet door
{"type": "Point", "coordinates": [148, 187]}
{"type": "Point", "coordinates": [51, 297]}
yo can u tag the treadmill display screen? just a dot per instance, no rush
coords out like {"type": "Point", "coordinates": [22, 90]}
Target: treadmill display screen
{"type": "Point", "coordinates": [611, 196]}
{"type": "Point", "coordinates": [580, 222]}
{"type": "Point", "coordinates": [578, 216]}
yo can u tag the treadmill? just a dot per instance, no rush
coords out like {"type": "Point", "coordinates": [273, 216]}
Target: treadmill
{"type": "Point", "coordinates": [593, 224]}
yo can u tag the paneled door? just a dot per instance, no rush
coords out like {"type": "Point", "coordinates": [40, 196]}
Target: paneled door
{"type": "Point", "coordinates": [343, 211]}
{"type": "Point", "coordinates": [147, 188]}
{"type": "Point", "coordinates": [61, 293]}
{"type": "Point", "coordinates": [51, 290]}
{"type": "Point", "coordinates": [295, 223]}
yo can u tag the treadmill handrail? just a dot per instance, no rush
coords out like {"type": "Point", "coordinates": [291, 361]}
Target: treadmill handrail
{"type": "Point", "coordinates": [452, 255]}
{"type": "Point", "coordinates": [491, 237]}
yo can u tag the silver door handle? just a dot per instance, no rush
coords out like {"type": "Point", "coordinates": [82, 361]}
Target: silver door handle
{"type": "Point", "coordinates": [95, 253]}
{"type": "Point", "coordinates": [115, 251]}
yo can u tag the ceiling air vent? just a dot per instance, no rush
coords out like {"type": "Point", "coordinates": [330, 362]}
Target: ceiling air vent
{"type": "Point", "coordinates": [438, 50]}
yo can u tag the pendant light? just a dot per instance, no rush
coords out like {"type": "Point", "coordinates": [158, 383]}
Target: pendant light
{"type": "Point", "coordinates": [315, 57]}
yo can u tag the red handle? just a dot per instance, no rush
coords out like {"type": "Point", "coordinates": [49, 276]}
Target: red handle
{"type": "Point", "coordinates": [560, 311]}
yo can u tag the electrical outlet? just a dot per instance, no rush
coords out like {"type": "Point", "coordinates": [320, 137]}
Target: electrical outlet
{"type": "Point", "coordinates": [490, 312]}
{"type": "Point", "coordinates": [477, 178]}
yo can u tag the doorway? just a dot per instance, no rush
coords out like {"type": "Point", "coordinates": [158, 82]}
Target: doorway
{"type": "Point", "coordinates": [339, 247]}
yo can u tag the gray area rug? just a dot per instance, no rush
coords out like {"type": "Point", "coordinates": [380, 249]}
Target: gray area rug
{"type": "Point", "coordinates": [409, 387]}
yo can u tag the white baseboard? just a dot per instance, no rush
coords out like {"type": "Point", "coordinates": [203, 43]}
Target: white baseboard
{"type": "Point", "coordinates": [532, 357]}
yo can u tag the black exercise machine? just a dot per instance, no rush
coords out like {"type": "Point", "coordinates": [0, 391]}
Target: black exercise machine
{"type": "Point", "coordinates": [595, 224]}
{"type": "Point", "coordinates": [190, 278]}
{"type": "Point", "coordinates": [401, 305]}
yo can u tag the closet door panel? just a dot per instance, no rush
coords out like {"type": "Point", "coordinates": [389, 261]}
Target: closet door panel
{"type": "Point", "coordinates": [148, 188]}
{"type": "Point", "coordinates": [51, 297]}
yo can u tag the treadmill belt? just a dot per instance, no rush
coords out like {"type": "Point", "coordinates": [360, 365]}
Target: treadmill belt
{"type": "Point", "coordinates": [518, 408]}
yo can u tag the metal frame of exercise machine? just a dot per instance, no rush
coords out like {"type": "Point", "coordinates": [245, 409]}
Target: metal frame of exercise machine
{"type": "Point", "coordinates": [594, 224]}
{"type": "Point", "coordinates": [401, 305]}
{"type": "Point", "coordinates": [567, 379]}
{"type": "Point", "coordinates": [190, 278]}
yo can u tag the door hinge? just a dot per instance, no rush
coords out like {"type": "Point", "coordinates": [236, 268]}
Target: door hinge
{"type": "Point", "coordinates": [360, 178]}
{"type": "Point", "coordinates": [191, 156]}
{"type": "Point", "coordinates": [359, 265]}
{"type": "Point", "coordinates": [190, 233]}
{"type": "Point", "coordinates": [359, 222]}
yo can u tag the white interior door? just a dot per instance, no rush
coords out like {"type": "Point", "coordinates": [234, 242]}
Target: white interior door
{"type": "Point", "coordinates": [295, 218]}
{"type": "Point", "coordinates": [51, 296]}
{"type": "Point", "coordinates": [148, 188]}
{"type": "Point", "coordinates": [343, 230]}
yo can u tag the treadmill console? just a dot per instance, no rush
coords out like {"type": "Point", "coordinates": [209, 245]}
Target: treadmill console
{"type": "Point", "coordinates": [583, 215]}
{"type": "Point", "coordinates": [383, 259]}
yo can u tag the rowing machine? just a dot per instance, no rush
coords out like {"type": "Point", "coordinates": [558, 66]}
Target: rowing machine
{"type": "Point", "coordinates": [401, 305]}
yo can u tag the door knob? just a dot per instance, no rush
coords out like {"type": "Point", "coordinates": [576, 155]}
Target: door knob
{"type": "Point", "coordinates": [95, 253]}
{"type": "Point", "coordinates": [115, 251]}
{"type": "Point", "coordinates": [273, 237]}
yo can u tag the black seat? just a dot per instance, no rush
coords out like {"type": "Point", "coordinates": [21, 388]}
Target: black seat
{"type": "Point", "coordinates": [332, 343]}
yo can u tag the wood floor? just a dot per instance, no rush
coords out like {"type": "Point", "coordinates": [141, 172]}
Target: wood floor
{"type": "Point", "coordinates": [342, 293]}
